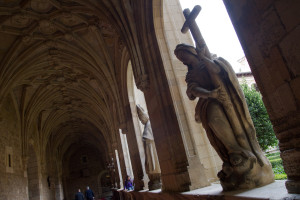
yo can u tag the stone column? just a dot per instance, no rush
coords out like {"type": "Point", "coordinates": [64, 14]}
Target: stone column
{"type": "Point", "coordinates": [58, 191]}
{"type": "Point", "coordinates": [25, 159]}
{"type": "Point", "coordinates": [116, 173]}
{"type": "Point", "coordinates": [155, 174]}
{"type": "Point", "coordinates": [121, 159]}
{"type": "Point", "coordinates": [112, 167]}
{"type": "Point", "coordinates": [269, 33]}
{"type": "Point", "coordinates": [115, 164]}
{"type": "Point", "coordinates": [150, 76]}
{"type": "Point", "coordinates": [168, 141]}
{"type": "Point", "coordinates": [134, 156]}
{"type": "Point", "coordinates": [151, 160]}
{"type": "Point", "coordinates": [64, 185]}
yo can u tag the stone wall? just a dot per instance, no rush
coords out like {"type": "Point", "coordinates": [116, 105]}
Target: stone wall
{"type": "Point", "coordinates": [13, 184]}
{"type": "Point", "coordinates": [15, 181]}
{"type": "Point", "coordinates": [47, 189]}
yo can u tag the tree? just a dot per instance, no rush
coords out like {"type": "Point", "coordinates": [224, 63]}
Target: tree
{"type": "Point", "coordinates": [264, 129]}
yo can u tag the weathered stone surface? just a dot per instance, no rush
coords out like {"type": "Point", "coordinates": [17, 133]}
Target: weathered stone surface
{"type": "Point", "coordinates": [290, 48]}
{"type": "Point", "coordinates": [270, 32]}
{"type": "Point", "coordinates": [223, 111]}
{"type": "Point", "coordinates": [280, 72]}
{"type": "Point", "coordinates": [151, 160]}
{"type": "Point", "coordinates": [291, 161]}
{"type": "Point", "coordinates": [295, 85]}
{"type": "Point", "coordinates": [283, 102]}
{"type": "Point", "coordinates": [169, 196]}
{"type": "Point", "coordinates": [10, 143]}
{"type": "Point", "coordinates": [275, 190]}
{"type": "Point", "coordinates": [277, 49]}
{"type": "Point", "coordinates": [63, 84]}
{"type": "Point", "coordinates": [288, 13]}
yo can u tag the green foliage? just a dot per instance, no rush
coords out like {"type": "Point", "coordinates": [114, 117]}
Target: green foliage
{"type": "Point", "coordinates": [276, 162]}
{"type": "Point", "coordinates": [280, 176]}
{"type": "Point", "coordinates": [269, 155]}
{"type": "Point", "coordinates": [273, 157]}
{"type": "Point", "coordinates": [264, 130]}
{"type": "Point", "coordinates": [277, 167]}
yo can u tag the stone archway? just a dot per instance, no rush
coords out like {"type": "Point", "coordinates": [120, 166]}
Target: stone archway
{"type": "Point", "coordinates": [59, 63]}
{"type": "Point", "coordinates": [33, 176]}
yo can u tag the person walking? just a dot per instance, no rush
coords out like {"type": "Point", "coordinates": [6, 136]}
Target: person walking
{"type": "Point", "coordinates": [79, 195]}
{"type": "Point", "coordinates": [89, 195]}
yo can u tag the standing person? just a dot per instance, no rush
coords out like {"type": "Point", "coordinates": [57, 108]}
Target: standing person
{"type": "Point", "coordinates": [79, 195]}
{"type": "Point", "coordinates": [89, 194]}
{"type": "Point", "coordinates": [128, 183]}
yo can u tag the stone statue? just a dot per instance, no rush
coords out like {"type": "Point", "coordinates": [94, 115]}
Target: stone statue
{"type": "Point", "coordinates": [151, 160]}
{"type": "Point", "coordinates": [223, 112]}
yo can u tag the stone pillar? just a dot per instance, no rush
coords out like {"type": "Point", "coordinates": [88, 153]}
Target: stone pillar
{"type": "Point", "coordinates": [151, 162]}
{"type": "Point", "coordinates": [59, 192]}
{"type": "Point", "coordinates": [25, 159]}
{"type": "Point", "coordinates": [126, 157]}
{"type": "Point", "coordinates": [119, 170]}
{"type": "Point", "coordinates": [134, 156]}
{"type": "Point", "coordinates": [168, 140]}
{"type": "Point", "coordinates": [64, 177]}
{"type": "Point", "coordinates": [115, 164]}
{"type": "Point", "coordinates": [116, 173]}
{"type": "Point", "coordinates": [154, 174]}
{"type": "Point", "coordinates": [269, 33]}
{"type": "Point", "coordinates": [112, 167]}
{"type": "Point", "coordinates": [58, 187]}
{"type": "Point", "coordinates": [121, 159]}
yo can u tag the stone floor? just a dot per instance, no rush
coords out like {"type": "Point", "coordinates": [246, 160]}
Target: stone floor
{"type": "Point", "coordinates": [274, 191]}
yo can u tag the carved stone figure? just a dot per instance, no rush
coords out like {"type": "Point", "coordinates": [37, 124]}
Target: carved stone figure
{"type": "Point", "coordinates": [151, 160]}
{"type": "Point", "coordinates": [223, 112]}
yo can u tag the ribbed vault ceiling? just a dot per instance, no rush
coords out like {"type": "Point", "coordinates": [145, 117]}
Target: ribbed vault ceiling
{"type": "Point", "coordinates": [59, 61]}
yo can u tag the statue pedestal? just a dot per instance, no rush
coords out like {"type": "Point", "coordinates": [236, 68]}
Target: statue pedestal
{"type": "Point", "coordinates": [245, 175]}
{"type": "Point", "coordinates": [154, 181]}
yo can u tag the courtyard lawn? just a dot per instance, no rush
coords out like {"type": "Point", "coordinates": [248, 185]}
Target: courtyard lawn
{"type": "Point", "coordinates": [277, 167]}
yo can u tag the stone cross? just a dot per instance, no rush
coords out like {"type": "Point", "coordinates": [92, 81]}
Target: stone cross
{"type": "Point", "coordinates": [195, 31]}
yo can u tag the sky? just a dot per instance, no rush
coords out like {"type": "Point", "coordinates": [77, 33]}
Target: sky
{"type": "Point", "coordinates": [217, 31]}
